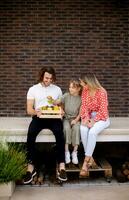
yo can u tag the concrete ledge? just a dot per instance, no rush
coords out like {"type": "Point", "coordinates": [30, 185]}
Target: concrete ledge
{"type": "Point", "coordinates": [14, 129]}
{"type": "Point", "coordinates": [6, 190]}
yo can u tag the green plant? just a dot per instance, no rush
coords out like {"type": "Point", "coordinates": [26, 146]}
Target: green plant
{"type": "Point", "coordinates": [12, 162]}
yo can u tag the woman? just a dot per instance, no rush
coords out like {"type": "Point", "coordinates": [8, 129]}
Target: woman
{"type": "Point", "coordinates": [94, 116]}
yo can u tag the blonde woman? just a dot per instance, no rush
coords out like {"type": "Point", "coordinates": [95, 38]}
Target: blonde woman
{"type": "Point", "coordinates": [94, 116]}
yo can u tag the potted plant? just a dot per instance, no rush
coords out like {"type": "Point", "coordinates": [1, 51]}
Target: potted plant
{"type": "Point", "coordinates": [12, 167]}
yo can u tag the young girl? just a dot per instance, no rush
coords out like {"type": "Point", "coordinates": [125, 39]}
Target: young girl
{"type": "Point", "coordinates": [94, 116]}
{"type": "Point", "coordinates": [71, 104]}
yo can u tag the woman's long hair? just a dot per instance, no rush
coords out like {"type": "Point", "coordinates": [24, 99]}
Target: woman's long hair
{"type": "Point", "coordinates": [91, 81]}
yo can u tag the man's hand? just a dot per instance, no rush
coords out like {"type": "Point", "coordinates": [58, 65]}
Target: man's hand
{"type": "Point", "coordinates": [38, 112]}
{"type": "Point", "coordinates": [62, 112]}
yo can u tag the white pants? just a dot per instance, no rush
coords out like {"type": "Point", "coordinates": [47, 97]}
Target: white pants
{"type": "Point", "coordinates": [89, 135]}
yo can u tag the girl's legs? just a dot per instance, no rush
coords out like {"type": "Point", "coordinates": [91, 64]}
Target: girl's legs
{"type": "Point", "coordinates": [75, 134]}
{"type": "Point", "coordinates": [67, 131]}
{"type": "Point", "coordinates": [74, 155]}
{"type": "Point", "coordinates": [75, 141]}
{"type": "Point", "coordinates": [67, 134]}
{"type": "Point", "coordinates": [66, 147]}
{"type": "Point", "coordinates": [67, 154]}
{"type": "Point", "coordinates": [75, 147]}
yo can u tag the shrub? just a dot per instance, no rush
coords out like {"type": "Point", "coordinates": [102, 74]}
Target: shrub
{"type": "Point", "coordinates": [12, 162]}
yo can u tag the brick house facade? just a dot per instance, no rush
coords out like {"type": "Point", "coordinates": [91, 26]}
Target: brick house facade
{"type": "Point", "coordinates": [73, 36]}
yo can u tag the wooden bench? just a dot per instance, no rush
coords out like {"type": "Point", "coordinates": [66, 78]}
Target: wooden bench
{"type": "Point", "coordinates": [14, 129]}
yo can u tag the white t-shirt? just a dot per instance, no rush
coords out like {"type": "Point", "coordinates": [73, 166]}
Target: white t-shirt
{"type": "Point", "coordinates": [39, 94]}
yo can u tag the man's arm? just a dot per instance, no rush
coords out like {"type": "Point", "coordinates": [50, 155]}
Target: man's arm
{"type": "Point", "coordinates": [30, 108]}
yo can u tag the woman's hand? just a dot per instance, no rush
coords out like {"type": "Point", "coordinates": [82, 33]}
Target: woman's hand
{"type": "Point", "coordinates": [91, 123]}
{"type": "Point", "coordinates": [85, 122]}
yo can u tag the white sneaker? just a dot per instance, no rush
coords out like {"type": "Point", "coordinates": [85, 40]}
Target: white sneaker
{"type": "Point", "coordinates": [67, 157]}
{"type": "Point", "coordinates": [74, 157]}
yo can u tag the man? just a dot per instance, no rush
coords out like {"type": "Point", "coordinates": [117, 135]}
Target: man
{"type": "Point", "coordinates": [37, 97]}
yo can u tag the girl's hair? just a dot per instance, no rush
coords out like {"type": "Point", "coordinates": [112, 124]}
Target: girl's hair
{"type": "Point", "coordinates": [76, 84]}
{"type": "Point", "coordinates": [50, 70]}
{"type": "Point", "coordinates": [91, 80]}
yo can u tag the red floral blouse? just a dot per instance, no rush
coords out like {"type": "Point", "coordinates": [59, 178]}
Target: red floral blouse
{"type": "Point", "coordinates": [98, 103]}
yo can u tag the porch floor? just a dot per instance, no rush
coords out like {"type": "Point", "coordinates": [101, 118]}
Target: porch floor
{"type": "Point", "coordinates": [97, 189]}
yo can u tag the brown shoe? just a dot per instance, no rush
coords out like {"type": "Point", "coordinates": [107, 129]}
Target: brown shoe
{"type": "Point", "coordinates": [84, 171]}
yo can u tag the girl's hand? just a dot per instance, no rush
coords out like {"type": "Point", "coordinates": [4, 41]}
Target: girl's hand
{"type": "Point", "coordinates": [56, 102]}
{"type": "Point", "coordinates": [73, 122]}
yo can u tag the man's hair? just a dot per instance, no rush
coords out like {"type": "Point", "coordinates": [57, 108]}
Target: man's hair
{"type": "Point", "coordinates": [49, 70]}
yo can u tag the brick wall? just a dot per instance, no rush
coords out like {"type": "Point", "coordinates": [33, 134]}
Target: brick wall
{"type": "Point", "coordinates": [74, 36]}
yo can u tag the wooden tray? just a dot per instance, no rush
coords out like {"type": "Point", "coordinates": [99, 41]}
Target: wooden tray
{"type": "Point", "coordinates": [51, 114]}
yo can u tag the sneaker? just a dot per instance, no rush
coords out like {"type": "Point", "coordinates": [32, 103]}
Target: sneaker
{"type": "Point", "coordinates": [74, 158]}
{"type": "Point", "coordinates": [62, 176]}
{"type": "Point", "coordinates": [67, 157]}
{"type": "Point", "coordinates": [29, 176]}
